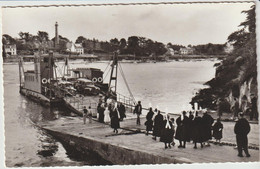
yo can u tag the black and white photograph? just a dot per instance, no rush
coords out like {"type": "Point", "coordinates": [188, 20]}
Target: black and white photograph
{"type": "Point", "coordinates": [105, 84]}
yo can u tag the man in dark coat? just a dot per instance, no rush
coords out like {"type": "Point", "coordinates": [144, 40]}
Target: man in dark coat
{"type": "Point", "coordinates": [241, 129]}
{"type": "Point", "coordinates": [197, 129]}
{"type": "Point", "coordinates": [207, 122]}
{"type": "Point", "coordinates": [121, 109]}
{"type": "Point", "coordinates": [158, 124]}
{"type": "Point", "coordinates": [182, 131]}
{"type": "Point", "coordinates": [149, 121]}
{"type": "Point", "coordinates": [138, 112]}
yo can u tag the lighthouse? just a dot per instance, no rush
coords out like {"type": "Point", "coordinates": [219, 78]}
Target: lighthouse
{"type": "Point", "coordinates": [56, 36]}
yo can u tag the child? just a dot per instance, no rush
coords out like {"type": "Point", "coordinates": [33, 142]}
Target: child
{"type": "Point", "coordinates": [217, 131]}
{"type": "Point", "coordinates": [89, 114]}
{"type": "Point", "coordinates": [85, 112]}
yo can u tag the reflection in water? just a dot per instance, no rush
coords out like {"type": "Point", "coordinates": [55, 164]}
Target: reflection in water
{"type": "Point", "coordinates": [49, 146]}
{"type": "Point", "coordinates": [90, 157]}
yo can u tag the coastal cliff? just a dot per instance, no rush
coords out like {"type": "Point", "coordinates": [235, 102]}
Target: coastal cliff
{"type": "Point", "coordinates": [236, 75]}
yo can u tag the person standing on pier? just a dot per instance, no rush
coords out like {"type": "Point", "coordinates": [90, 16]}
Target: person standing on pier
{"type": "Point", "coordinates": [207, 122]}
{"type": "Point", "coordinates": [173, 128]}
{"type": "Point", "coordinates": [121, 109]}
{"type": "Point", "coordinates": [235, 108]}
{"type": "Point", "coordinates": [197, 130]}
{"type": "Point", "coordinates": [167, 132]}
{"type": "Point", "coordinates": [85, 114]}
{"type": "Point", "coordinates": [182, 132]}
{"type": "Point", "coordinates": [106, 114]}
{"type": "Point", "coordinates": [149, 121]}
{"type": "Point", "coordinates": [217, 130]}
{"type": "Point", "coordinates": [158, 124]}
{"type": "Point", "coordinates": [241, 129]}
{"type": "Point", "coordinates": [138, 111]}
{"type": "Point", "coordinates": [100, 110]}
{"type": "Point", "coordinates": [191, 117]}
{"type": "Point", "coordinates": [89, 114]}
{"type": "Point", "coordinates": [253, 113]}
{"type": "Point", "coordinates": [115, 119]}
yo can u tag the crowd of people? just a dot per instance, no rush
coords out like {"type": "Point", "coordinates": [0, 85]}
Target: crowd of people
{"type": "Point", "coordinates": [190, 126]}
{"type": "Point", "coordinates": [111, 113]}
{"type": "Point", "coordinates": [194, 128]}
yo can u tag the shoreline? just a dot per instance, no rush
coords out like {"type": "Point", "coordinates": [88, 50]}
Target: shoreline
{"type": "Point", "coordinates": [15, 60]}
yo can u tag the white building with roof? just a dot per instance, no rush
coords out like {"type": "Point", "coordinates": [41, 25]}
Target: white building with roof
{"type": "Point", "coordinates": [10, 49]}
{"type": "Point", "coordinates": [75, 48]}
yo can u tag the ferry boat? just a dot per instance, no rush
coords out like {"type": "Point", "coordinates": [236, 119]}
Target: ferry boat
{"type": "Point", "coordinates": [77, 88]}
{"type": "Point", "coordinates": [39, 84]}
{"type": "Point", "coordinates": [42, 84]}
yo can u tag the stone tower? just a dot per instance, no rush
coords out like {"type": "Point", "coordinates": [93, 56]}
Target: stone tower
{"type": "Point", "coordinates": [56, 35]}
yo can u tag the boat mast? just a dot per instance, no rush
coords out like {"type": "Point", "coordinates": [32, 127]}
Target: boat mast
{"type": "Point", "coordinates": [113, 78]}
{"type": "Point", "coordinates": [21, 72]}
{"type": "Point", "coordinates": [20, 78]}
{"type": "Point", "coordinates": [50, 69]}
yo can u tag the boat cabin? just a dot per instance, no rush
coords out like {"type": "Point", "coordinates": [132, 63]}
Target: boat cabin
{"type": "Point", "coordinates": [32, 81]}
{"type": "Point", "coordinates": [39, 79]}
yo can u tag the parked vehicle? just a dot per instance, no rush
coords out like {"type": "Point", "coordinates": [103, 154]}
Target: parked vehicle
{"type": "Point", "coordinates": [86, 87]}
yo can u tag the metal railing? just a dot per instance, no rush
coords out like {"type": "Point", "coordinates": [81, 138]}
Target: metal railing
{"type": "Point", "coordinates": [78, 102]}
{"type": "Point", "coordinates": [128, 102]}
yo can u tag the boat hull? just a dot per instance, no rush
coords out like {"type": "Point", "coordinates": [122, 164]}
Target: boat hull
{"type": "Point", "coordinates": [40, 98]}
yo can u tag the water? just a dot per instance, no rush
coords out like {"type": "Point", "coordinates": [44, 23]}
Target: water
{"type": "Point", "coordinates": [169, 85]}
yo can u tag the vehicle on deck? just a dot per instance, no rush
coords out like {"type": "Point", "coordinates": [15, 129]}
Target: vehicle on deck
{"type": "Point", "coordinates": [86, 87]}
{"type": "Point", "coordinates": [67, 88]}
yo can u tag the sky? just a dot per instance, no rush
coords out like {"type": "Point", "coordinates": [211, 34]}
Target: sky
{"type": "Point", "coordinates": [179, 24]}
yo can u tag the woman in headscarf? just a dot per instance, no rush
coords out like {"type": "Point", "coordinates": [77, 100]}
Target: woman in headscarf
{"type": "Point", "coordinates": [167, 132]}
{"type": "Point", "coordinates": [197, 129]}
{"type": "Point", "coordinates": [217, 130]}
{"type": "Point", "coordinates": [191, 117]}
{"type": "Point", "coordinates": [115, 118]}
{"type": "Point", "coordinates": [149, 121]}
{"type": "Point", "coordinates": [182, 132]}
{"type": "Point", "coordinates": [158, 124]}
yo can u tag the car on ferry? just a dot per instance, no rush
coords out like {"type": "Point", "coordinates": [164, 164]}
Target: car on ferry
{"type": "Point", "coordinates": [86, 87]}
{"type": "Point", "coordinates": [67, 88]}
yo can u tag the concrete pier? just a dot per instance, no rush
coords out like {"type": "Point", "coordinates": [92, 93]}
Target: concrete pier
{"type": "Point", "coordinates": [130, 146]}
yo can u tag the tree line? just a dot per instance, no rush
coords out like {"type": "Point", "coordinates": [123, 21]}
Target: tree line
{"type": "Point", "coordinates": [133, 45]}
{"type": "Point", "coordinates": [239, 67]}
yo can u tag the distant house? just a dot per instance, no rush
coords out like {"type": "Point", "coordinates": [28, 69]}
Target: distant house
{"type": "Point", "coordinates": [10, 49]}
{"type": "Point", "coordinates": [170, 52]}
{"type": "Point", "coordinates": [79, 48]}
{"type": "Point", "coordinates": [186, 51]}
{"type": "Point", "coordinates": [75, 48]}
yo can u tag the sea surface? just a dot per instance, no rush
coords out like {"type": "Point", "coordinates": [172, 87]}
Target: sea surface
{"type": "Point", "coordinates": [166, 85]}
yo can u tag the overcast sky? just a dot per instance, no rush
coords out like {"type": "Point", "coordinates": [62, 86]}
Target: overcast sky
{"type": "Point", "coordinates": [179, 24]}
